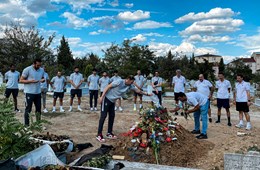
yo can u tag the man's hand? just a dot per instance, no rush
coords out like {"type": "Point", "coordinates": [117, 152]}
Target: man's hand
{"type": "Point", "coordinates": [249, 103]}
{"type": "Point", "coordinates": [34, 81]}
{"type": "Point", "coordinates": [234, 102]}
{"type": "Point", "coordinates": [100, 99]}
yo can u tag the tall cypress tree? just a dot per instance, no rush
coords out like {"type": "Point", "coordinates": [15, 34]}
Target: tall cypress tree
{"type": "Point", "coordinates": [65, 57]}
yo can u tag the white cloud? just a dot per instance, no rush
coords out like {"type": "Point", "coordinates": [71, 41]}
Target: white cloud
{"type": "Point", "coordinates": [153, 34]}
{"type": "Point", "coordinates": [205, 38]}
{"type": "Point", "coordinates": [96, 48]}
{"type": "Point", "coordinates": [213, 13]}
{"type": "Point", "coordinates": [129, 5]}
{"type": "Point", "coordinates": [227, 58]}
{"type": "Point", "coordinates": [250, 43]}
{"type": "Point", "coordinates": [151, 25]}
{"type": "Point", "coordinates": [139, 38]}
{"type": "Point", "coordinates": [133, 16]}
{"type": "Point", "coordinates": [184, 48]}
{"type": "Point", "coordinates": [99, 32]}
{"type": "Point", "coordinates": [213, 26]}
{"type": "Point", "coordinates": [75, 21]}
{"type": "Point", "coordinates": [114, 3]}
{"type": "Point", "coordinates": [74, 41]}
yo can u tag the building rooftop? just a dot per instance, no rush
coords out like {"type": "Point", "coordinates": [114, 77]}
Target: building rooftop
{"type": "Point", "coordinates": [245, 60]}
{"type": "Point", "coordinates": [208, 55]}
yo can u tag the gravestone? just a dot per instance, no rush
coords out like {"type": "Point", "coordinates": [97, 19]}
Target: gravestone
{"type": "Point", "coordinates": [241, 162]}
{"type": "Point", "coordinates": [257, 102]}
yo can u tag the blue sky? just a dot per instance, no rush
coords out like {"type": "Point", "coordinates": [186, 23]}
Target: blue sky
{"type": "Point", "coordinates": [230, 28]}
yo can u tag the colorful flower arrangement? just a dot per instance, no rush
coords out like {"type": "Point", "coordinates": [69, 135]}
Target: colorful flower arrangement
{"type": "Point", "coordinates": [155, 127]}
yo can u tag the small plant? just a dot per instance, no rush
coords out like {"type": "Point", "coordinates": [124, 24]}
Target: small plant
{"type": "Point", "coordinates": [253, 148]}
{"type": "Point", "coordinates": [14, 136]}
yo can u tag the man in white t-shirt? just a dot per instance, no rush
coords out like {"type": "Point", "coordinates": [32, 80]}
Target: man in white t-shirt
{"type": "Point", "coordinates": [157, 84]}
{"type": "Point", "coordinates": [44, 89]}
{"type": "Point", "coordinates": [115, 78]}
{"type": "Point", "coordinates": [200, 105]}
{"type": "Point", "coordinates": [242, 101]}
{"type": "Point", "coordinates": [223, 87]}
{"type": "Point", "coordinates": [178, 83]}
{"type": "Point", "coordinates": [205, 87]}
{"type": "Point", "coordinates": [139, 82]}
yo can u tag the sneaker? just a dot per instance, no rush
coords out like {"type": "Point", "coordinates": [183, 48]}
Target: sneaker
{"type": "Point", "coordinates": [217, 121]}
{"type": "Point", "coordinates": [195, 132]}
{"type": "Point", "coordinates": [53, 111]}
{"type": "Point", "coordinates": [115, 108]}
{"type": "Point", "coordinates": [111, 136]}
{"type": "Point", "coordinates": [45, 110]}
{"type": "Point", "coordinates": [248, 127]}
{"type": "Point", "coordinates": [61, 110]}
{"type": "Point", "coordinates": [91, 109]}
{"type": "Point", "coordinates": [202, 136]}
{"type": "Point", "coordinates": [229, 124]}
{"type": "Point", "coordinates": [120, 109]}
{"type": "Point", "coordinates": [70, 110]}
{"type": "Point", "coordinates": [17, 110]}
{"type": "Point", "coordinates": [210, 120]}
{"type": "Point", "coordinates": [239, 125]}
{"type": "Point", "coordinates": [95, 109]}
{"type": "Point", "coordinates": [134, 108]}
{"type": "Point", "coordinates": [100, 138]}
{"type": "Point", "coordinates": [79, 109]}
{"type": "Point", "coordinates": [176, 113]}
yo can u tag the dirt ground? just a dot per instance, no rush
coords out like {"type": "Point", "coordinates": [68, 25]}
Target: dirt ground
{"type": "Point", "coordinates": [82, 128]}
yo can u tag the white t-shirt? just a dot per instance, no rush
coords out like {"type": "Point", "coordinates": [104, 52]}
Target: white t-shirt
{"type": "Point", "coordinates": [241, 91]}
{"type": "Point", "coordinates": [76, 78]}
{"type": "Point", "coordinates": [194, 98]}
{"type": "Point", "coordinates": [203, 87]}
{"type": "Point", "coordinates": [223, 89]}
{"type": "Point", "coordinates": [179, 84]}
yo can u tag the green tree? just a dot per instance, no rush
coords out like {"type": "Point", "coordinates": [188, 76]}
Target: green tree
{"type": "Point", "coordinates": [221, 65]}
{"type": "Point", "coordinates": [65, 57]}
{"type": "Point", "coordinates": [21, 46]}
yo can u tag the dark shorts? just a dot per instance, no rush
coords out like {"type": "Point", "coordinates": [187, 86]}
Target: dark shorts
{"type": "Point", "coordinates": [14, 92]}
{"type": "Point", "coordinates": [223, 103]}
{"type": "Point", "coordinates": [242, 106]}
{"type": "Point", "coordinates": [58, 95]}
{"type": "Point", "coordinates": [74, 92]}
{"type": "Point", "coordinates": [176, 96]}
{"type": "Point", "coordinates": [137, 94]}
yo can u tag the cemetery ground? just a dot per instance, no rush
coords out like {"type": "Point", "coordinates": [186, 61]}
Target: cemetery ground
{"type": "Point", "coordinates": [82, 128]}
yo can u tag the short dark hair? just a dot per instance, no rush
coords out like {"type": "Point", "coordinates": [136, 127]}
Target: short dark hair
{"type": "Point", "coordinates": [181, 94]}
{"type": "Point", "coordinates": [221, 73]}
{"type": "Point", "coordinates": [94, 69]}
{"type": "Point", "coordinates": [115, 71]}
{"type": "Point", "coordinates": [11, 65]}
{"type": "Point", "coordinates": [76, 67]}
{"type": "Point", "coordinates": [37, 60]}
{"type": "Point", "coordinates": [131, 77]}
{"type": "Point", "coordinates": [240, 75]}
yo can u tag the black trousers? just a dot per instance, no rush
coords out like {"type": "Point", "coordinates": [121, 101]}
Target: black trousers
{"type": "Point", "coordinates": [29, 100]}
{"type": "Point", "coordinates": [107, 107]}
{"type": "Point", "coordinates": [93, 93]}
{"type": "Point", "coordinates": [159, 95]}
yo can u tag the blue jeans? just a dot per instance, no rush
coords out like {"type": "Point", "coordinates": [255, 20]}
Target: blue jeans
{"type": "Point", "coordinates": [203, 112]}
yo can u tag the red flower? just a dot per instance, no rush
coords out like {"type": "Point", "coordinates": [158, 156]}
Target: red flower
{"type": "Point", "coordinates": [139, 130]}
{"type": "Point", "coordinates": [165, 128]}
{"type": "Point", "coordinates": [135, 134]}
{"type": "Point", "coordinates": [168, 139]}
{"type": "Point", "coordinates": [143, 145]}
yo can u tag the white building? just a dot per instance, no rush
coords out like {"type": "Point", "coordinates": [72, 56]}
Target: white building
{"type": "Point", "coordinates": [250, 62]}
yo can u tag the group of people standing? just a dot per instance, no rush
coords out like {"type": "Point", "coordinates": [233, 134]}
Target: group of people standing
{"type": "Point", "coordinates": [36, 81]}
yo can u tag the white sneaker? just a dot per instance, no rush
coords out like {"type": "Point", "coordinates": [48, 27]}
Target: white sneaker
{"type": "Point", "coordinates": [115, 108]}
{"type": "Point", "coordinates": [45, 110]}
{"type": "Point", "coordinates": [134, 108]}
{"type": "Point", "coordinates": [91, 109]}
{"type": "Point", "coordinates": [70, 110]}
{"type": "Point", "coordinates": [61, 110]}
{"type": "Point", "coordinates": [79, 109]}
{"type": "Point", "coordinates": [248, 127]}
{"type": "Point", "coordinates": [53, 111]}
{"type": "Point", "coordinates": [120, 109]}
{"type": "Point", "coordinates": [95, 109]}
{"type": "Point", "coordinates": [239, 125]}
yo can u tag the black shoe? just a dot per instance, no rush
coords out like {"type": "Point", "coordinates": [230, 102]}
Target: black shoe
{"type": "Point", "coordinates": [195, 132]}
{"type": "Point", "coordinates": [176, 113]}
{"type": "Point", "coordinates": [229, 124]}
{"type": "Point", "coordinates": [217, 121]}
{"type": "Point", "coordinates": [182, 113]}
{"type": "Point", "coordinates": [202, 136]}
{"type": "Point", "coordinates": [210, 120]}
